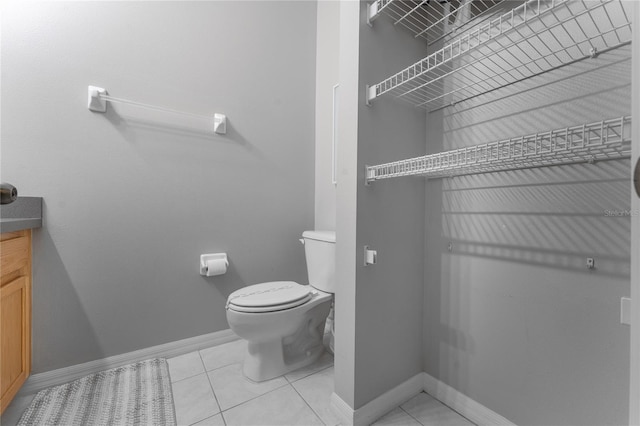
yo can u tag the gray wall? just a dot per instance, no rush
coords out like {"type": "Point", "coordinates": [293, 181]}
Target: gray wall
{"type": "Point", "coordinates": [390, 219]}
{"type": "Point", "coordinates": [327, 75]}
{"type": "Point", "coordinates": [347, 255]}
{"type": "Point", "coordinates": [512, 317]}
{"type": "Point", "coordinates": [133, 197]}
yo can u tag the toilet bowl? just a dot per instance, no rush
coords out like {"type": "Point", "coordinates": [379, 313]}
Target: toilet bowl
{"type": "Point", "coordinates": [283, 321]}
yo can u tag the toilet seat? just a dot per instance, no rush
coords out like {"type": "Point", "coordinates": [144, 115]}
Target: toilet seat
{"type": "Point", "coordinates": [269, 297]}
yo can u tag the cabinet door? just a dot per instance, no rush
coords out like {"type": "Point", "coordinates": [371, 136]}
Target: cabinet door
{"type": "Point", "coordinates": [14, 338]}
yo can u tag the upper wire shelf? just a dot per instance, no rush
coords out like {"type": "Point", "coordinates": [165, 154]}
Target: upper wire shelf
{"type": "Point", "coordinates": [604, 140]}
{"type": "Point", "coordinates": [431, 20]}
{"type": "Point", "coordinates": [535, 37]}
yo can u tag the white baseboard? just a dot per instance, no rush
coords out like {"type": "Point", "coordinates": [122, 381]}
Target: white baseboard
{"type": "Point", "coordinates": [370, 412]}
{"type": "Point", "coordinates": [341, 409]}
{"type": "Point", "coordinates": [472, 410]}
{"type": "Point", "coordinates": [364, 415]}
{"type": "Point", "coordinates": [39, 381]}
{"type": "Point", "coordinates": [381, 405]}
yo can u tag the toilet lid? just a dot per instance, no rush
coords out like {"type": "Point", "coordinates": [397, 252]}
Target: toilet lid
{"type": "Point", "coordinates": [271, 296]}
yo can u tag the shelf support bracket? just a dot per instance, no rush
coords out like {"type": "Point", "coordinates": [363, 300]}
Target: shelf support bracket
{"type": "Point", "coordinates": [370, 256]}
{"type": "Point", "coordinates": [370, 94]}
{"type": "Point", "coordinates": [369, 175]}
{"type": "Point", "coordinates": [372, 13]}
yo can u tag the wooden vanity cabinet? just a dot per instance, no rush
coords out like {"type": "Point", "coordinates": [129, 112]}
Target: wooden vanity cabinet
{"type": "Point", "coordinates": [15, 313]}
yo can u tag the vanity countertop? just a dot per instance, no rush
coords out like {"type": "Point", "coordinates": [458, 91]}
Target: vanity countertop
{"type": "Point", "coordinates": [24, 213]}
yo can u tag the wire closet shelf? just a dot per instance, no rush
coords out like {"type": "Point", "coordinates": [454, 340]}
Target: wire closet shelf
{"type": "Point", "coordinates": [533, 38]}
{"type": "Point", "coordinates": [604, 140]}
{"type": "Point", "coordinates": [430, 20]}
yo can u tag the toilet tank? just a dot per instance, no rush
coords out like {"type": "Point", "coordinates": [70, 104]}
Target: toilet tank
{"type": "Point", "coordinates": [320, 252]}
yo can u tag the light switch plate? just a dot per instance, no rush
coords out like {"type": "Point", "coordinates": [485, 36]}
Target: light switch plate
{"type": "Point", "coordinates": [625, 310]}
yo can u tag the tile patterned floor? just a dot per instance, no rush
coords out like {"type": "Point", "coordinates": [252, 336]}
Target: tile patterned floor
{"type": "Point", "coordinates": [210, 390]}
{"type": "Point", "coordinates": [301, 397]}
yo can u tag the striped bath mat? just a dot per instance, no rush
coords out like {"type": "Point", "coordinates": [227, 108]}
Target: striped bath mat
{"type": "Point", "coordinates": [136, 394]}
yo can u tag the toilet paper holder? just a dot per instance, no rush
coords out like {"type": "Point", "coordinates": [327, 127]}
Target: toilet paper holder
{"type": "Point", "coordinates": [205, 258]}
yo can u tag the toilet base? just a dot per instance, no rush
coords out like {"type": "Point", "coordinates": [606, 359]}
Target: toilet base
{"type": "Point", "coordinates": [279, 342]}
{"type": "Point", "coordinates": [264, 361]}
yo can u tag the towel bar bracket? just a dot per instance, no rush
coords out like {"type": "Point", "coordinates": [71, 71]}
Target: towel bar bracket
{"type": "Point", "coordinates": [95, 102]}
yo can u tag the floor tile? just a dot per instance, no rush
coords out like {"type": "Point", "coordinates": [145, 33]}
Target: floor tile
{"type": "Point", "coordinates": [396, 417]}
{"type": "Point", "coordinates": [280, 407]}
{"type": "Point", "coordinates": [431, 412]}
{"type": "Point", "coordinates": [184, 366]}
{"type": "Point", "coordinates": [316, 390]}
{"type": "Point", "coordinates": [325, 361]}
{"type": "Point", "coordinates": [232, 387]}
{"type": "Point", "coordinates": [194, 400]}
{"type": "Point", "coordinates": [216, 420]}
{"type": "Point", "coordinates": [223, 355]}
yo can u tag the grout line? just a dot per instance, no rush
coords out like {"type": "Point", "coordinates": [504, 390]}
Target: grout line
{"type": "Point", "coordinates": [250, 399]}
{"type": "Point", "coordinates": [258, 396]}
{"type": "Point", "coordinates": [451, 408]}
{"type": "Point", "coordinates": [308, 405]}
{"type": "Point", "coordinates": [409, 414]}
{"type": "Point", "coordinates": [214, 396]}
{"type": "Point", "coordinates": [220, 366]}
{"type": "Point", "coordinates": [188, 377]}
{"type": "Point", "coordinates": [211, 386]}
{"type": "Point", "coordinates": [287, 383]}
{"type": "Point", "coordinates": [310, 374]}
{"type": "Point", "coordinates": [315, 372]}
{"type": "Point", "coordinates": [173, 399]}
{"type": "Point", "coordinates": [207, 418]}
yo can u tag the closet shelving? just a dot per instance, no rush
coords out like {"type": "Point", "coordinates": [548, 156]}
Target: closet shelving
{"type": "Point", "coordinates": [604, 140]}
{"type": "Point", "coordinates": [534, 37]}
{"type": "Point", "coordinates": [430, 19]}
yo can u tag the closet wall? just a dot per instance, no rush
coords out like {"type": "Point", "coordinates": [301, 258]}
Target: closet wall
{"type": "Point", "coordinates": [327, 76]}
{"type": "Point", "coordinates": [378, 307]}
{"type": "Point", "coordinates": [390, 221]}
{"type": "Point", "coordinates": [512, 316]}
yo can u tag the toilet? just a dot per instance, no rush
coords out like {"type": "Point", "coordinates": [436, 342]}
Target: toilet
{"type": "Point", "coordinates": [283, 321]}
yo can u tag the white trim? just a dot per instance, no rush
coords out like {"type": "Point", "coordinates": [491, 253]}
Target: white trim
{"type": "Point", "coordinates": [381, 405]}
{"type": "Point", "coordinates": [389, 400]}
{"type": "Point", "coordinates": [39, 381]}
{"type": "Point", "coordinates": [334, 137]}
{"type": "Point", "coordinates": [634, 370]}
{"type": "Point", "coordinates": [341, 409]}
{"type": "Point", "coordinates": [373, 410]}
{"type": "Point", "coordinates": [472, 410]}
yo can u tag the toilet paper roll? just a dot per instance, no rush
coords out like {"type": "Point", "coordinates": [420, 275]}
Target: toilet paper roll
{"type": "Point", "coordinates": [216, 267]}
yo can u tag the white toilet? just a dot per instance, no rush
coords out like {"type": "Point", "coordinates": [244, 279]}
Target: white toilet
{"type": "Point", "coordinates": [283, 321]}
